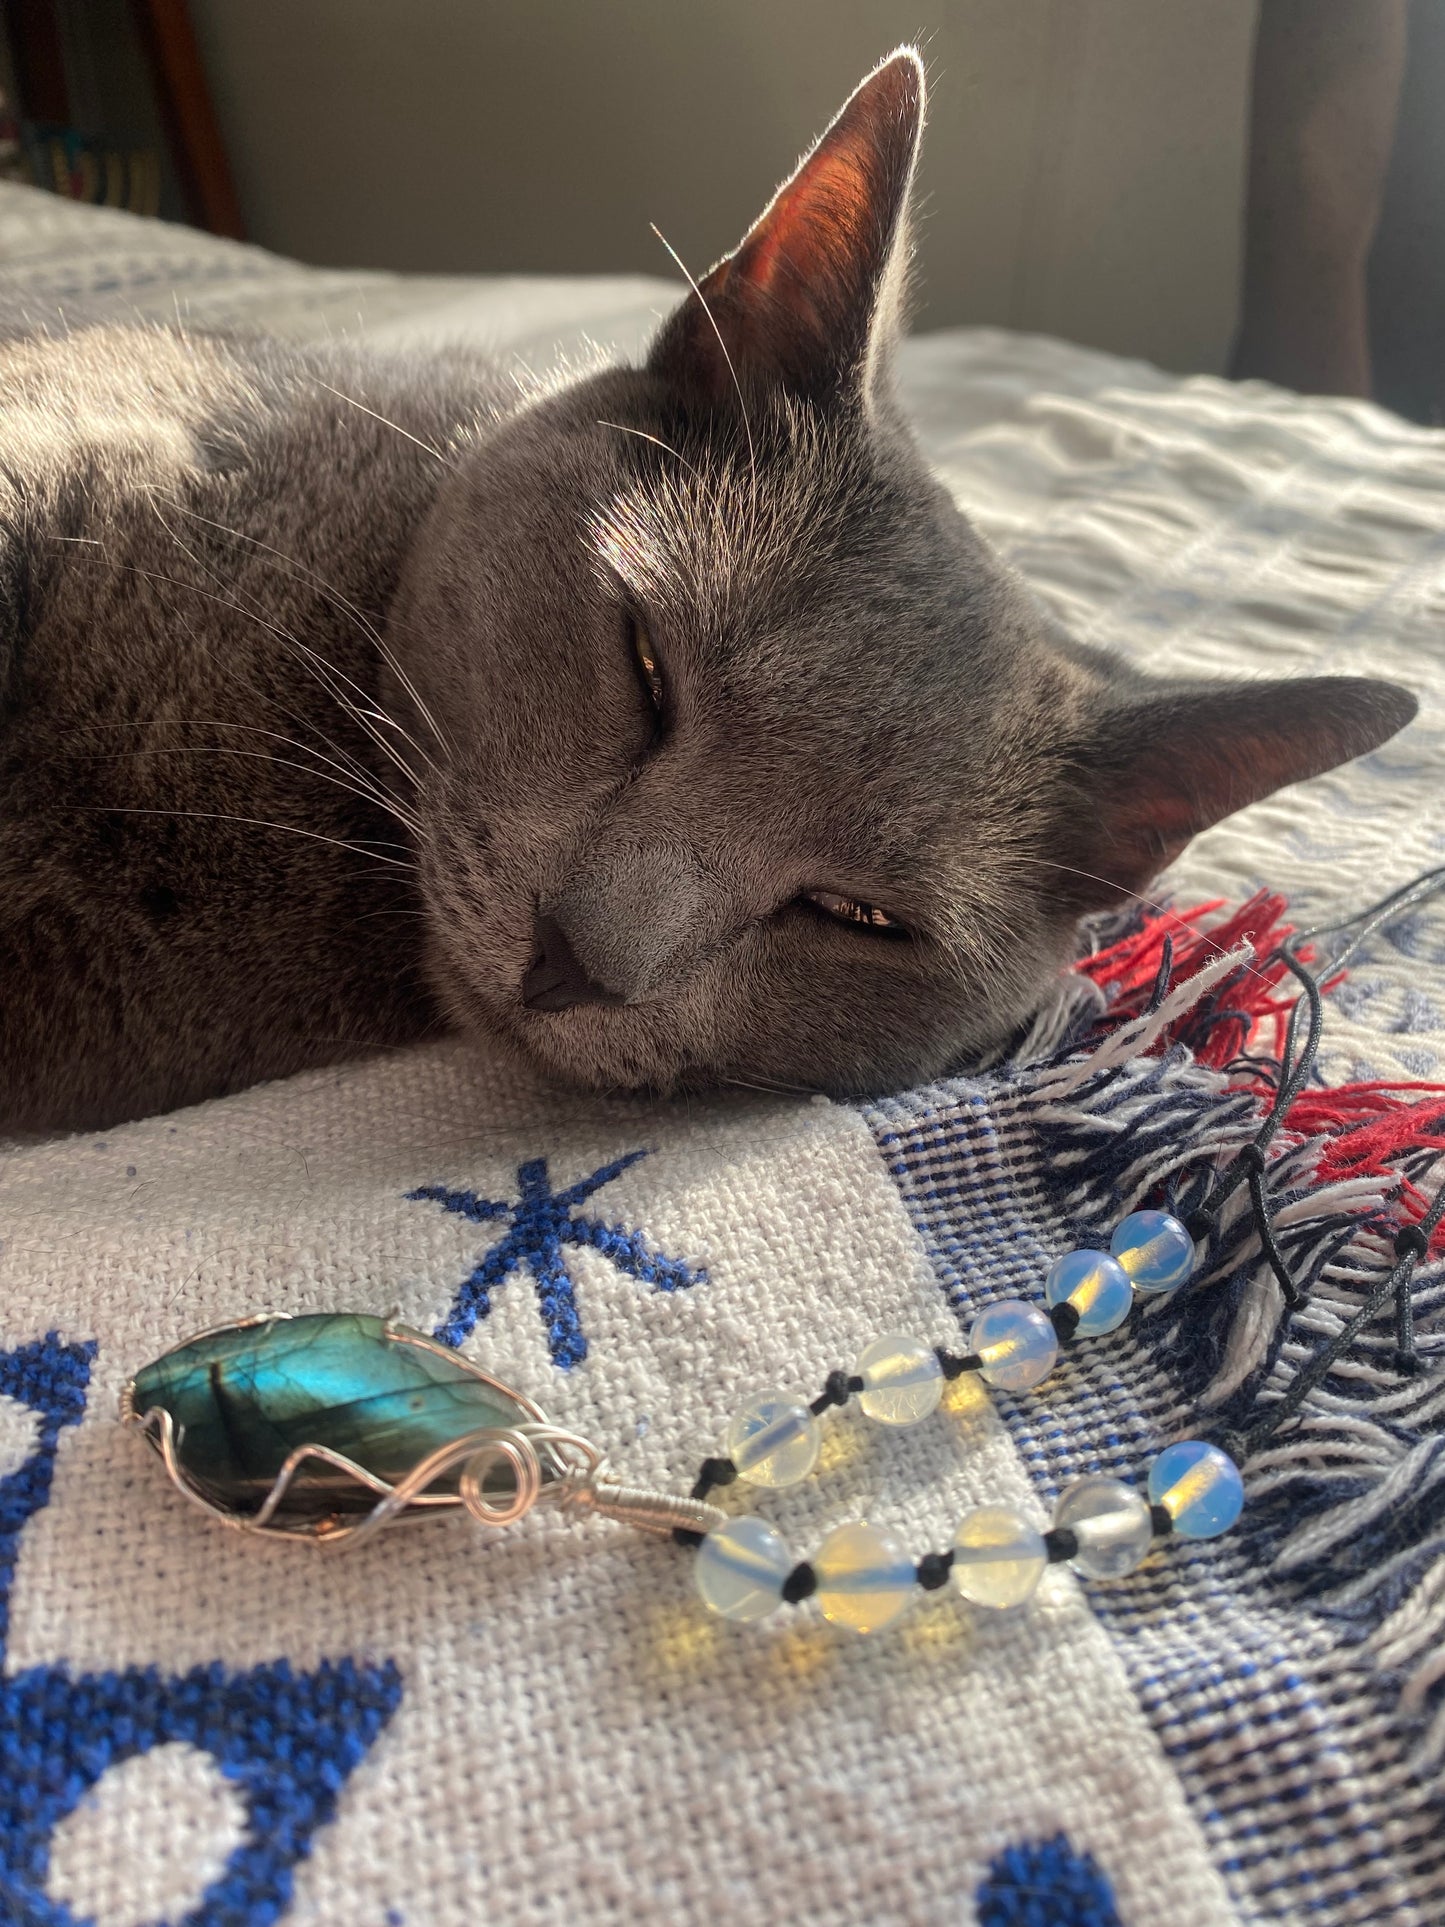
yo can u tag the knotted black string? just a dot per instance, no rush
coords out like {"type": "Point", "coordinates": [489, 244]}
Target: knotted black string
{"type": "Point", "coordinates": [1412, 1242]}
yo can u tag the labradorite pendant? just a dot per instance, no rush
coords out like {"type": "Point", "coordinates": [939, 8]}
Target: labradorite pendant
{"type": "Point", "coordinates": [366, 1400]}
{"type": "Point", "coordinates": [329, 1425]}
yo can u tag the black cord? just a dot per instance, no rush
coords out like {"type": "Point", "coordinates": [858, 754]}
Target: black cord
{"type": "Point", "coordinates": [1247, 1166]}
{"type": "Point", "coordinates": [1412, 1242]}
{"type": "Point", "coordinates": [1161, 978]}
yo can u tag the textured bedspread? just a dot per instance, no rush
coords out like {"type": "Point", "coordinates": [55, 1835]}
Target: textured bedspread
{"type": "Point", "coordinates": [443, 1729]}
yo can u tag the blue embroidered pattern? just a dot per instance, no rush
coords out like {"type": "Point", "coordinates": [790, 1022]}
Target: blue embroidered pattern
{"type": "Point", "coordinates": [1045, 1883]}
{"type": "Point", "coordinates": [287, 1739]}
{"type": "Point", "coordinates": [542, 1222]}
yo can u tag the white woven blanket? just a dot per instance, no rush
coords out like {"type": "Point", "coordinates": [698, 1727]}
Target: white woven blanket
{"type": "Point", "coordinates": [546, 1728]}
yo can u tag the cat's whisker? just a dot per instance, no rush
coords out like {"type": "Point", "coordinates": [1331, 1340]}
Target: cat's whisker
{"type": "Point", "coordinates": [657, 442]}
{"type": "Point", "coordinates": [229, 602]}
{"type": "Point", "coordinates": [308, 723]}
{"type": "Point", "coordinates": [258, 822]}
{"type": "Point", "coordinates": [374, 797]}
{"type": "Point", "coordinates": [349, 767]}
{"type": "Point", "coordinates": [366, 714]}
{"type": "Point", "coordinates": [770, 1090]}
{"type": "Point", "coordinates": [385, 421]}
{"type": "Point", "coordinates": [308, 656]}
{"type": "Point", "coordinates": [340, 601]}
{"type": "Point", "coordinates": [370, 916]}
{"type": "Point", "coordinates": [305, 650]}
{"type": "Point", "coordinates": [1134, 896]}
{"type": "Point", "coordinates": [712, 323]}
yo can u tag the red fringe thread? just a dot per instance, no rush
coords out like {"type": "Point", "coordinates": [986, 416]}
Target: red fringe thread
{"type": "Point", "coordinates": [1370, 1129]}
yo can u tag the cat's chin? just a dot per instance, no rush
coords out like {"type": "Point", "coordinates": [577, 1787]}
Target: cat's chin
{"type": "Point", "coordinates": [597, 1049]}
{"type": "Point", "coordinates": [607, 1058]}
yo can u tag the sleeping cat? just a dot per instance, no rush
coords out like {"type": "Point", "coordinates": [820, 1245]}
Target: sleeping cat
{"type": "Point", "coordinates": [671, 727]}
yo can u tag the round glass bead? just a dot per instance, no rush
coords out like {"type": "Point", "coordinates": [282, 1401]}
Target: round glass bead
{"type": "Point", "coordinates": [773, 1440]}
{"type": "Point", "coordinates": [740, 1568]}
{"type": "Point", "coordinates": [1199, 1487]}
{"type": "Point", "coordinates": [998, 1557]}
{"type": "Point", "coordinates": [902, 1380]}
{"type": "Point", "coordinates": [1096, 1285]}
{"type": "Point", "coordinates": [1111, 1522]}
{"type": "Point", "coordinates": [865, 1577]}
{"type": "Point", "coordinates": [1155, 1250]}
{"type": "Point", "coordinates": [1016, 1343]}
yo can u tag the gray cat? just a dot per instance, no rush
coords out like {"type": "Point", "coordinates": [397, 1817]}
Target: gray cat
{"type": "Point", "coordinates": [669, 728]}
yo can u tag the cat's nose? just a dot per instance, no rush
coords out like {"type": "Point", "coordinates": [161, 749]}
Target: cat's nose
{"type": "Point", "coordinates": [556, 978]}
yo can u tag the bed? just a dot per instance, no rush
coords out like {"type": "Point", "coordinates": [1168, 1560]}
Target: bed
{"type": "Point", "coordinates": [543, 1725]}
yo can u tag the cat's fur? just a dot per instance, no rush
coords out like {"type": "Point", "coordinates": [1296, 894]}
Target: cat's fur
{"type": "Point", "coordinates": [237, 605]}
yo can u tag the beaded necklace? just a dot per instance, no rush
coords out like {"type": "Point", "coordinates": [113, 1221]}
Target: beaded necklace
{"type": "Point", "coordinates": [328, 1426]}
{"type": "Point", "coordinates": [861, 1575]}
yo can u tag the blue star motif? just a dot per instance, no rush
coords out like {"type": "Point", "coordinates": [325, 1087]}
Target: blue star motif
{"type": "Point", "coordinates": [543, 1222]}
{"type": "Point", "coordinates": [288, 1739]}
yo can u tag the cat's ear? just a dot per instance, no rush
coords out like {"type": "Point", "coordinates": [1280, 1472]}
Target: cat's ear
{"type": "Point", "coordinates": [1162, 766]}
{"type": "Point", "coordinates": [809, 300]}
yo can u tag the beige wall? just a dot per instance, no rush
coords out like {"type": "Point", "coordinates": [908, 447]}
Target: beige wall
{"type": "Point", "coordinates": [1082, 174]}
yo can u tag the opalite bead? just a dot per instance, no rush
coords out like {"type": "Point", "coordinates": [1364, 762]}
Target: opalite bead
{"type": "Point", "coordinates": [1016, 1343]}
{"type": "Point", "coordinates": [1199, 1487]}
{"type": "Point", "coordinates": [1097, 1287]}
{"type": "Point", "coordinates": [1111, 1522]}
{"type": "Point", "coordinates": [740, 1569]}
{"type": "Point", "coordinates": [902, 1380]}
{"type": "Point", "coordinates": [865, 1577]}
{"type": "Point", "coordinates": [1155, 1250]}
{"type": "Point", "coordinates": [243, 1398]}
{"type": "Point", "coordinates": [773, 1440]}
{"type": "Point", "coordinates": [998, 1557]}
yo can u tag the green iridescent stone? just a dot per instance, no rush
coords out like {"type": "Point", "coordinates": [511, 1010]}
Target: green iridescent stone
{"type": "Point", "coordinates": [241, 1400]}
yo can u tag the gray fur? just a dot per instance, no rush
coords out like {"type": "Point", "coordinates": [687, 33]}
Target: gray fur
{"type": "Point", "coordinates": [232, 591]}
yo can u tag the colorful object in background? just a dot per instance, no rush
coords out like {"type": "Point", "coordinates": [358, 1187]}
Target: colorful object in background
{"type": "Point", "coordinates": [82, 169]}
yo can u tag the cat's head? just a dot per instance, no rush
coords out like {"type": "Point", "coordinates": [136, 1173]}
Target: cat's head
{"type": "Point", "coordinates": [759, 766]}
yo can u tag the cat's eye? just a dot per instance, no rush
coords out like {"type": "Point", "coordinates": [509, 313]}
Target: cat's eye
{"type": "Point", "coordinates": [863, 916]}
{"type": "Point", "coordinates": [645, 656]}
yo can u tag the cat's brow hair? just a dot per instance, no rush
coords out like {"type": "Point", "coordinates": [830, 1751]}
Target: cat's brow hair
{"type": "Point", "coordinates": [702, 542]}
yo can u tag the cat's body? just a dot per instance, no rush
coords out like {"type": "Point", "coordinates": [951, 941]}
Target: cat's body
{"type": "Point", "coordinates": [322, 726]}
{"type": "Point", "coordinates": [194, 528]}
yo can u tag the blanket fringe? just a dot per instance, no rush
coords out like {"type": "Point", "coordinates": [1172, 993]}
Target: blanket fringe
{"type": "Point", "coordinates": [1144, 1101]}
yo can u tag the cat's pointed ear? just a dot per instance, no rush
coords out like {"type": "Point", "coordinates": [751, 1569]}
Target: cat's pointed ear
{"type": "Point", "coordinates": [1162, 766]}
{"type": "Point", "coordinates": [809, 300]}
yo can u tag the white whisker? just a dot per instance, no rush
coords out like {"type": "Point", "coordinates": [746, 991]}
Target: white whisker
{"type": "Point", "coordinates": [767, 1089]}
{"type": "Point", "coordinates": [712, 322]}
{"type": "Point", "coordinates": [338, 600]}
{"type": "Point", "coordinates": [385, 421]}
{"type": "Point", "coordinates": [404, 817]}
{"type": "Point", "coordinates": [347, 767]}
{"type": "Point", "coordinates": [303, 722]}
{"type": "Point", "coordinates": [308, 656]}
{"type": "Point", "coordinates": [257, 822]}
{"type": "Point", "coordinates": [656, 441]}
{"type": "Point", "coordinates": [1160, 909]}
